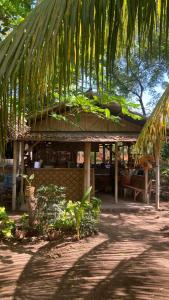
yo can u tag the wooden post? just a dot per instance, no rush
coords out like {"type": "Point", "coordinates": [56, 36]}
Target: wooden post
{"type": "Point", "coordinates": [111, 152]}
{"type": "Point", "coordinates": [87, 150]}
{"type": "Point", "coordinates": [104, 153]}
{"type": "Point", "coordinates": [15, 160]}
{"type": "Point", "coordinates": [146, 196]}
{"type": "Point", "coordinates": [157, 180]}
{"type": "Point", "coordinates": [116, 172]}
{"type": "Point", "coordinates": [95, 158]}
{"type": "Point", "coordinates": [123, 152]}
{"type": "Point", "coordinates": [22, 148]}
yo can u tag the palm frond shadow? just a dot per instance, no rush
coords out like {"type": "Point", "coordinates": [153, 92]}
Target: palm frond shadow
{"type": "Point", "coordinates": [116, 268]}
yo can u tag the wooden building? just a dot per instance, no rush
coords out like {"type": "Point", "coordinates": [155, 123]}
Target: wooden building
{"type": "Point", "coordinates": [74, 153]}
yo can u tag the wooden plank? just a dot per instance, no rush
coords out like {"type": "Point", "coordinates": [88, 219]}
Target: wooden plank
{"type": "Point", "coordinates": [15, 160]}
{"type": "Point", "coordinates": [87, 150]}
{"type": "Point", "coordinates": [116, 172]}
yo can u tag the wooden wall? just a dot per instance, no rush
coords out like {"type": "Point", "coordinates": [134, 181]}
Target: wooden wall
{"type": "Point", "coordinates": [72, 179]}
{"type": "Point", "coordinates": [88, 122]}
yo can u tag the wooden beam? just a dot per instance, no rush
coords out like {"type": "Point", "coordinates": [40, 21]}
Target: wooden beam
{"type": "Point", "coordinates": [15, 162]}
{"type": "Point", "coordinates": [157, 180]}
{"type": "Point", "coordinates": [87, 150]}
{"type": "Point", "coordinates": [116, 172]}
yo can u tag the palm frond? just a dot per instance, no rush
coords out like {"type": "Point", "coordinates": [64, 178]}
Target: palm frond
{"type": "Point", "coordinates": [155, 129]}
{"type": "Point", "coordinates": [64, 40]}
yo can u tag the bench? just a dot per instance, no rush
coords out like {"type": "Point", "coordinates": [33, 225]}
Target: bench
{"type": "Point", "coordinates": [136, 184]}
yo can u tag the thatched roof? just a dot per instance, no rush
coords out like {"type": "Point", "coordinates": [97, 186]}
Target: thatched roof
{"type": "Point", "coordinates": [101, 137]}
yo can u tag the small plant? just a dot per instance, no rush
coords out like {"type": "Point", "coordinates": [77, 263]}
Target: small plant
{"type": "Point", "coordinates": [7, 226]}
{"type": "Point", "coordinates": [28, 178]}
{"type": "Point", "coordinates": [80, 216]}
{"type": "Point", "coordinates": [24, 221]}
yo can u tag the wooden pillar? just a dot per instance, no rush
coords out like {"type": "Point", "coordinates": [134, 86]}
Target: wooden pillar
{"type": "Point", "coordinates": [146, 196]}
{"type": "Point", "coordinates": [111, 152]}
{"type": "Point", "coordinates": [95, 156]}
{"type": "Point", "coordinates": [157, 180]}
{"type": "Point", "coordinates": [15, 162]}
{"type": "Point", "coordinates": [104, 153]}
{"type": "Point", "coordinates": [22, 148]}
{"type": "Point", "coordinates": [116, 172]}
{"type": "Point", "coordinates": [87, 150]}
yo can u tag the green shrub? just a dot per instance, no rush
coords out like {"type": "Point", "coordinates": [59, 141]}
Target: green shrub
{"type": "Point", "coordinates": [7, 226]}
{"type": "Point", "coordinates": [80, 216]}
{"type": "Point", "coordinates": [24, 221]}
{"type": "Point", "coordinates": [51, 204]}
{"type": "Point", "coordinates": [54, 212]}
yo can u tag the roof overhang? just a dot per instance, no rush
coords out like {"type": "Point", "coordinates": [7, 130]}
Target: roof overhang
{"type": "Point", "coordinates": [101, 137]}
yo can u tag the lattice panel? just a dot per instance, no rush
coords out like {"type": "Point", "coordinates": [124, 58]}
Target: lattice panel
{"type": "Point", "coordinates": [72, 179]}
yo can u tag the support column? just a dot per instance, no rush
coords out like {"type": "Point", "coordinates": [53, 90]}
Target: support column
{"type": "Point", "coordinates": [22, 147]}
{"type": "Point", "coordinates": [15, 160]}
{"type": "Point", "coordinates": [116, 172]}
{"type": "Point", "coordinates": [146, 196]}
{"type": "Point", "coordinates": [104, 153]}
{"type": "Point", "coordinates": [95, 156]}
{"type": "Point", "coordinates": [111, 152]}
{"type": "Point", "coordinates": [87, 150]}
{"type": "Point", "coordinates": [157, 180]}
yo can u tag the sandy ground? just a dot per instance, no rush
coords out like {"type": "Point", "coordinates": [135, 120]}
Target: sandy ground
{"type": "Point", "coordinates": [129, 259]}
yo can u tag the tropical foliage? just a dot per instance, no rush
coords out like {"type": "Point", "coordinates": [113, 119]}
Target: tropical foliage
{"type": "Point", "coordinates": [65, 41]}
{"type": "Point", "coordinates": [7, 226]}
{"type": "Point", "coordinates": [13, 12]}
{"type": "Point", "coordinates": [154, 131]}
{"type": "Point", "coordinates": [55, 213]}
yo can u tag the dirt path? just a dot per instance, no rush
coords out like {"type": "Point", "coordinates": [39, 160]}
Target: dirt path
{"type": "Point", "coordinates": [128, 260]}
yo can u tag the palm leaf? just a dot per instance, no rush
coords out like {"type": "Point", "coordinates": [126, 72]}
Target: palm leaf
{"type": "Point", "coordinates": [62, 41]}
{"type": "Point", "coordinates": [155, 129]}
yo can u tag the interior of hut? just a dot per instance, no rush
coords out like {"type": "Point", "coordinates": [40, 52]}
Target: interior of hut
{"type": "Point", "coordinates": [43, 156]}
{"type": "Point", "coordinates": [48, 155]}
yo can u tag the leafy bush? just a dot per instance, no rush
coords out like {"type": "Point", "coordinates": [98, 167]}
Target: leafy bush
{"type": "Point", "coordinates": [24, 221]}
{"type": "Point", "coordinates": [50, 205]}
{"type": "Point", "coordinates": [165, 151]}
{"type": "Point", "coordinates": [7, 226]}
{"type": "Point", "coordinates": [164, 174]}
{"type": "Point", "coordinates": [54, 212]}
{"type": "Point", "coordinates": [80, 216]}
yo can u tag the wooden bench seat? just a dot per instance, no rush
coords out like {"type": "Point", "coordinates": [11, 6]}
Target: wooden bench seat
{"type": "Point", "coordinates": [136, 183]}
